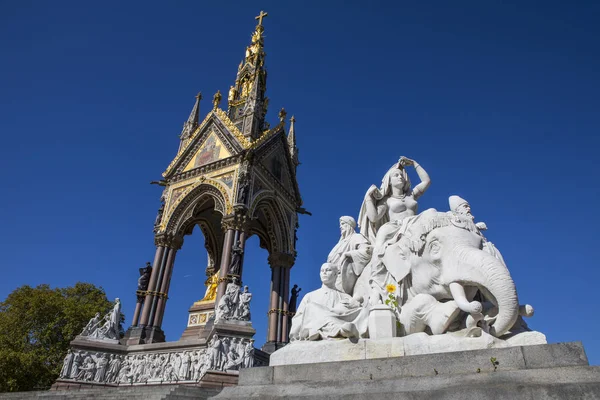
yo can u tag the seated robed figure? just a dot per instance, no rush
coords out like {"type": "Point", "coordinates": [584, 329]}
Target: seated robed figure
{"type": "Point", "coordinates": [329, 313]}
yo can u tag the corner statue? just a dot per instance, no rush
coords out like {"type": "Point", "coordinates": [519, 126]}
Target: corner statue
{"type": "Point", "coordinates": [351, 254]}
{"type": "Point", "coordinates": [328, 313]}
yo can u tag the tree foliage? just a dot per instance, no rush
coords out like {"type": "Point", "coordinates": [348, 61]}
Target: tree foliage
{"type": "Point", "coordinates": [36, 327]}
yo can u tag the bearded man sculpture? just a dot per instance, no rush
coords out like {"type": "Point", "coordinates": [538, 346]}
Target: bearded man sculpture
{"type": "Point", "coordinates": [327, 313]}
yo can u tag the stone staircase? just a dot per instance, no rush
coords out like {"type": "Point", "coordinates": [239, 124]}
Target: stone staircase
{"type": "Point", "coordinates": [171, 392]}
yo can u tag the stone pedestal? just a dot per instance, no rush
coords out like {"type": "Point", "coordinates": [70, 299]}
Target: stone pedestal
{"type": "Point", "coordinates": [556, 371]}
{"type": "Point", "coordinates": [199, 314]}
{"type": "Point", "coordinates": [382, 322]}
{"type": "Point", "coordinates": [142, 335]}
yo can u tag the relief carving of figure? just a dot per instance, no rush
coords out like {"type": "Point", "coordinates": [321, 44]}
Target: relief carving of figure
{"type": "Point", "coordinates": [249, 354]}
{"type": "Point", "coordinates": [101, 364]}
{"type": "Point", "coordinates": [65, 372]}
{"type": "Point", "coordinates": [77, 360]}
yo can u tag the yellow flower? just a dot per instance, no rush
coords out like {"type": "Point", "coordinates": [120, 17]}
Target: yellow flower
{"type": "Point", "coordinates": [390, 287]}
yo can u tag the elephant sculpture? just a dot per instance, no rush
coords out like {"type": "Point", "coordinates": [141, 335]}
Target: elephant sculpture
{"type": "Point", "coordinates": [440, 267]}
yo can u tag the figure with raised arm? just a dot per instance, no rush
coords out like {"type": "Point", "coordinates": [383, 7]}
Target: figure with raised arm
{"type": "Point", "coordinates": [383, 219]}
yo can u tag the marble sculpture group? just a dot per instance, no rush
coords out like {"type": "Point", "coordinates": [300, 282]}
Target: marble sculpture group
{"type": "Point", "coordinates": [437, 266]}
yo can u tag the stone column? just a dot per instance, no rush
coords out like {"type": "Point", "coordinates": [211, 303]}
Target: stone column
{"type": "Point", "coordinates": [284, 335]}
{"type": "Point", "coordinates": [158, 258]}
{"type": "Point", "coordinates": [164, 289]}
{"type": "Point", "coordinates": [225, 259]}
{"type": "Point", "coordinates": [280, 265]}
{"type": "Point", "coordinates": [274, 302]}
{"type": "Point", "coordinates": [136, 313]}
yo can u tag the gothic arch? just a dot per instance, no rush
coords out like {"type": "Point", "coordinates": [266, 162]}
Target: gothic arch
{"type": "Point", "coordinates": [271, 219]}
{"type": "Point", "coordinates": [183, 217]}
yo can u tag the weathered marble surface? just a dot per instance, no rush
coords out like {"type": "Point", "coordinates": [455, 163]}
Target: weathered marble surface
{"type": "Point", "coordinates": [222, 354]}
{"type": "Point", "coordinates": [436, 269]}
{"type": "Point", "coordinates": [106, 328]}
{"type": "Point", "coordinates": [303, 352]}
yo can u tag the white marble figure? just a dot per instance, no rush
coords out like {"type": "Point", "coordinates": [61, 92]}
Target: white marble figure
{"type": "Point", "coordinates": [184, 370]}
{"type": "Point", "coordinates": [114, 365]}
{"type": "Point", "coordinates": [228, 302]}
{"type": "Point", "coordinates": [91, 326]}
{"type": "Point", "coordinates": [101, 365]}
{"type": "Point", "coordinates": [351, 255]}
{"type": "Point", "coordinates": [65, 372]}
{"type": "Point", "coordinates": [460, 206]}
{"type": "Point", "coordinates": [110, 328]}
{"type": "Point", "coordinates": [328, 313]}
{"type": "Point", "coordinates": [113, 319]}
{"type": "Point", "coordinates": [234, 304]}
{"type": "Point", "coordinates": [382, 220]}
{"type": "Point", "coordinates": [215, 352]}
{"type": "Point", "coordinates": [77, 360]}
{"type": "Point", "coordinates": [243, 308]}
{"type": "Point", "coordinates": [248, 354]}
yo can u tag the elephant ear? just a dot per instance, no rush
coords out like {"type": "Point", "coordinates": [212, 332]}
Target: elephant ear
{"type": "Point", "coordinates": [397, 261]}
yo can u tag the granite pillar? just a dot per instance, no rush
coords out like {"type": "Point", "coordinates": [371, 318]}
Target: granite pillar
{"type": "Point", "coordinates": [274, 302]}
{"type": "Point", "coordinates": [284, 335]}
{"type": "Point", "coordinates": [158, 257]}
{"type": "Point", "coordinates": [136, 313]}
{"type": "Point", "coordinates": [156, 293]}
{"type": "Point", "coordinates": [164, 289]}
{"type": "Point", "coordinates": [225, 259]}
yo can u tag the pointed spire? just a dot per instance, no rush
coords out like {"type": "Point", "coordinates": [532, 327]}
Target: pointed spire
{"type": "Point", "coordinates": [291, 139]}
{"type": "Point", "coordinates": [193, 120]}
{"type": "Point", "coordinates": [246, 99]}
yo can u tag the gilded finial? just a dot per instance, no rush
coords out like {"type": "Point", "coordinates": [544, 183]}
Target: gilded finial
{"type": "Point", "coordinates": [199, 96]}
{"type": "Point", "coordinates": [217, 99]}
{"type": "Point", "coordinates": [282, 114]}
{"type": "Point", "coordinates": [260, 17]}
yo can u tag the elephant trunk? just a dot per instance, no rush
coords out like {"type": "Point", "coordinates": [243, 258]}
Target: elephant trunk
{"type": "Point", "coordinates": [478, 268]}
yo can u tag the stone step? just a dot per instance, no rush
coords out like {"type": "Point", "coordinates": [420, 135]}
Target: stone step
{"type": "Point", "coordinates": [170, 392]}
{"type": "Point", "coordinates": [558, 371]}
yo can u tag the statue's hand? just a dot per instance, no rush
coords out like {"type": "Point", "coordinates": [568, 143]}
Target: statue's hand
{"type": "Point", "coordinates": [405, 162]}
{"type": "Point", "coordinates": [373, 189]}
{"type": "Point", "coordinates": [481, 226]}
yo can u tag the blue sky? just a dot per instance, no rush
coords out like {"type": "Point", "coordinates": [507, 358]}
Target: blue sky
{"type": "Point", "coordinates": [498, 101]}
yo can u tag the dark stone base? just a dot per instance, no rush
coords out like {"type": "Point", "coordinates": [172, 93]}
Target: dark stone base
{"type": "Point", "coordinates": [143, 335]}
{"type": "Point", "coordinates": [271, 347]}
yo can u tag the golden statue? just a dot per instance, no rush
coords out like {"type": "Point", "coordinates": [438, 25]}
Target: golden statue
{"type": "Point", "coordinates": [211, 287]}
{"type": "Point", "coordinates": [232, 93]}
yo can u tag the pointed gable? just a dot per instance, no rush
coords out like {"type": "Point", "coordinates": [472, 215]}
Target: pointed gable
{"type": "Point", "coordinates": [215, 139]}
{"type": "Point", "coordinates": [211, 150]}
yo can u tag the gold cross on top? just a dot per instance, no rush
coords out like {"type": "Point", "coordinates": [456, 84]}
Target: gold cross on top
{"type": "Point", "coordinates": [260, 17]}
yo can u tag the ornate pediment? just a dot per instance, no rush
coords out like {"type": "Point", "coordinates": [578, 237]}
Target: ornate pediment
{"type": "Point", "coordinates": [210, 150]}
{"type": "Point", "coordinates": [215, 138]}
